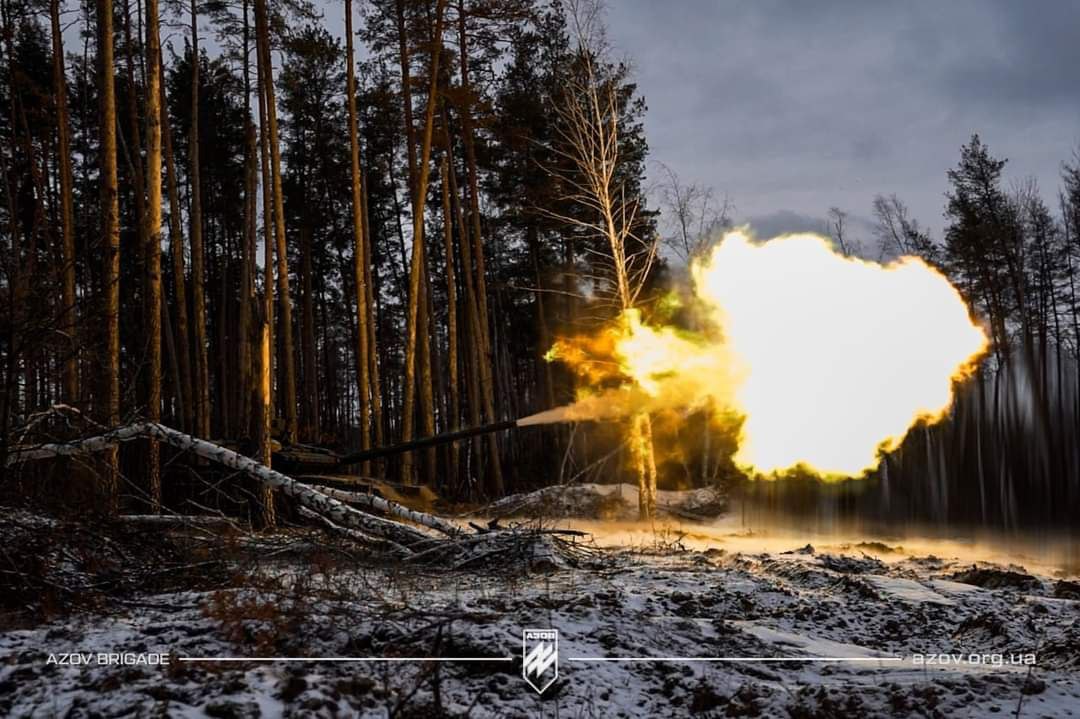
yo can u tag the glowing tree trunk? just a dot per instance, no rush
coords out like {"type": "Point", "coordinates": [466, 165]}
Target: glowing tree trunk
{"type": "Point", "coordinates": [363, 365]}
{"type": "Point", "coordinates": [288, 355]}
{"type": "Point", "coordinates": [110, 231]}
{"type": "Point", "coordinates": [264, 397]}
{"type": "Point", "coordinates": [153, 245]}
{"type": "Point", "coordinates": [416, 268]}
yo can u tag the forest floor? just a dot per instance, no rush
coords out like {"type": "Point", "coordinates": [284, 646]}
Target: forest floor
{"type": "Point", "coordinates": [666, 593]}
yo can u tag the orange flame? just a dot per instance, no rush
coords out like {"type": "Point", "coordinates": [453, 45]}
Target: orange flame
{"type": "Point", "coordinates": [828, 359]}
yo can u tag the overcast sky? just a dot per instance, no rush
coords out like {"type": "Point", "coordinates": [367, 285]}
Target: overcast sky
{"type": "Point", "coordinates": [792, 107]}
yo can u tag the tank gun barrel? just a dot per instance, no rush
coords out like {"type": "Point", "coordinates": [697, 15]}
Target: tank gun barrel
{"type": "Point", "coordinates": [425, 442]}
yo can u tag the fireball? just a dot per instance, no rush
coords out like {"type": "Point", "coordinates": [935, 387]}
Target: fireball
{"type": "Point", "coordinates": [828, 359]}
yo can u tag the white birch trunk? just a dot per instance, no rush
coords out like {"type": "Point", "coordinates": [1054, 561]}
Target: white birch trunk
{"type": "Point", "coordinates": [314, 500]}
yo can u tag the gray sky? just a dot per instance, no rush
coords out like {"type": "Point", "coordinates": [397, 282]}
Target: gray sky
{"type": "Point", "coordinates": [792, 107]}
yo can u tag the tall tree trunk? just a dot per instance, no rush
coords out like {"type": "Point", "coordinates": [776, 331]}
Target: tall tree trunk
{"type": "Point", "coordinates": [248, 343]}
{"type": "Point", "coordinates": [176, 251]}
{"type": "Point", "coordinates": [360, 271]}
{"type": "Point", "coordinates": [153, 247]}
{"type": "Point", "coordinates": [544, 375]}
{"type": "Point", "coordinates": [245, 341]}
{"type": "Point", "coordinates": [264, 396]}
{"type": "Point", "coordinates": [406, 97]}
{"type": "Point", "coordinates": [424, 329]}
{"type": "Point", "coordinates": [410, 153]}
{"type": "Point", "coordinates": [263, 399]}
{"type": "Point", "coordinates": [487, 356]}
{"type": "Point", "coordinates": [288, 353]}
{"type": "Point", "coordinates": [310, 376]}
{"type": "Point", "coordinates": [266, 516]}
{"type": "Point", "coordinates": [474, 358]}
{"type": "Point", "coordinates": [416, 269]}
{"type": "Point", "coordinates": [134, 148]}
{"type": "Point", "coordinates": [69, 322]}
{"type": "Point", "coordinates": [373, 345]}
{"type": "Point", "coordinates": [198, 254]}
{"type": "Point", "coordinates": [110, 231]}
{"type": "Point", "coordinates": [268, 226]}
{"type": "Point", "coordinates": [451, 322]}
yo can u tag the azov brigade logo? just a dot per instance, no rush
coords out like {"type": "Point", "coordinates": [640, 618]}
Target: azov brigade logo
{"type": "Point", "coordinates": [540, 658]}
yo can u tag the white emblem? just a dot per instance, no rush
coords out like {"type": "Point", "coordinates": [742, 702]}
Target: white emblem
{"type": "Point", "coordinates": [540, 658]}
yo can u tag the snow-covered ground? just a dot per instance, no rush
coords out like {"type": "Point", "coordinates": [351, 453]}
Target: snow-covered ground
{"type": "Point", "coordinates": [666, 607]}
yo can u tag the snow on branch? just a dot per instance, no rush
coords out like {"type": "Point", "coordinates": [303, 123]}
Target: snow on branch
{"type": "Point", "coordinates": [332, 509]}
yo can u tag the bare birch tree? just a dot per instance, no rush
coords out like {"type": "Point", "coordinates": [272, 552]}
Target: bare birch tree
{"type": "Point", "coordinates": [590, 137]}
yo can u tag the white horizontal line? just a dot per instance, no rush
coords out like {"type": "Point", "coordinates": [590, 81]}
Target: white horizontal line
{"type": "Point", "coordinates": [734, 659]}
{"type": "Point", "coordinates": [345, 659]}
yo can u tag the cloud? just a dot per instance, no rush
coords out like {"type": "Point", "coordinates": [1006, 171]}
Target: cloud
{"type": "Point", "coordinates": [785, 222]}
{"type": "Point", "coordinates": [803, 106]}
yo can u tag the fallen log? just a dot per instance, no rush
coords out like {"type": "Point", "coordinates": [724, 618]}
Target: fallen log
{"type": "Point", "coordinates": [171, 521]}
{"type": "Point", "coordinates": [356, 534]}
{"type": "Point", "coordinates": [394, 509]}
{"type": "Point", "coordinates": [333, 509]}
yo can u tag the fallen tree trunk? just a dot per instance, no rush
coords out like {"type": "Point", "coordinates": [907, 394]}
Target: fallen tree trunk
{"type": "Point", "coordinates": [394, 509]}
{"type": "Point", "coordinates": [178, 521]}
{"type": "Point", "coordinates": [330, 508]}
{"type": "Point", "coordinates": [356, 534]}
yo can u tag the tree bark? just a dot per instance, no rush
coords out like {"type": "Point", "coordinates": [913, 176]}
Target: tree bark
{"type": "Point", "coordinates": [310, 375]}
{"type": "Point", "coordinates": [307, 496]}
{"type": "Point", "coordinates": [176, 252]}
{"type": "Point", "coordinates": [110, 231]}
{"type": "Point", "coordinates": [474, 330]}
{"type": "Point", "coordinates": [641, 448]}
{"type": "Point", "coordinates": [416, 269]}
{"type": "Point", "coordinates": [268, 229]}
{"type": "Point", "coordinates": [373, 344]}
{"type": "Point", "coordinates": [153, 244]}
{"type": "Point", "coordinates": [487, 359]}
{"type": "Point", "coordinates": [248, 342]}
{"type": "Point", "coordinates": [451, 322]}
{"type": "Point", "coordinates": [360, 271]}
{"type": "Point", "coordinates": [198, 255]}
{"type": "Point", "coordinates": [69, 321]}
{"type": "Point", "coordinates": [288, 353]}
{"type": "Point", "coordinates": [265, 512]}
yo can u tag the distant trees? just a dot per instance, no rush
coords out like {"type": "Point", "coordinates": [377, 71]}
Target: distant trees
{"type": "Point", "coordinates": [1008, 453]}
{"type": "Point", "coordinates": [695, 215]}
{"type": "Point", "coordinates": [898, 233]}
{"type": "Point", "coordinates": [407, 209]}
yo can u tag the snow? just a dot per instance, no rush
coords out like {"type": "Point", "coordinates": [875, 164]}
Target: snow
{"type": "Point", "coordinates": [639, 599]}
{"type": "Point", "coordinates": [907, 590]}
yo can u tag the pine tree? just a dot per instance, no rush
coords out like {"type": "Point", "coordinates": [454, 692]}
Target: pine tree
{"type": "Point", "coordinates": [110, 231]}
{"type": "Point", "coordinates": [152, 233]}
